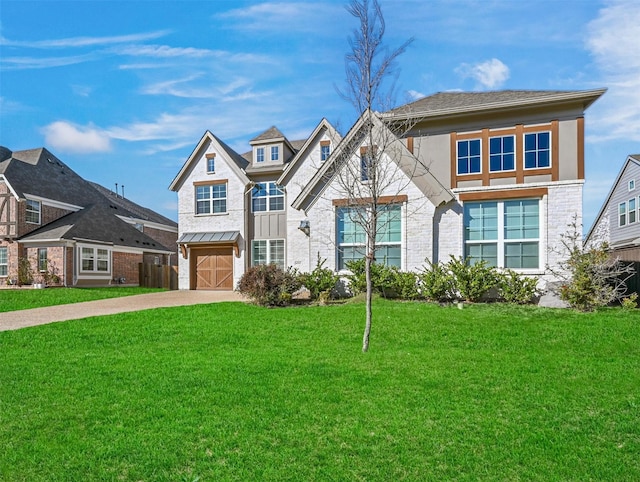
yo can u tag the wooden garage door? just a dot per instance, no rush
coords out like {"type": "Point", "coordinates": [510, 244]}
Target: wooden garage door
{"type": "Point", "coordinates": [212, 269]}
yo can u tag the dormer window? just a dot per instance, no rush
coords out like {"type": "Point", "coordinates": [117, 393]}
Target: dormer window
{"type": "Point", "coordinates": [275, 153]}
{"type": "Point", "coordinates": [260, 154]}
{"type": "Point", "coordinates": [325, 150]}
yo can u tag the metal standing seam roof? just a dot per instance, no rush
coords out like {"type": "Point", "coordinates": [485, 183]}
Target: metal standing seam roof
{"type": "Point", "coordinates": [209, 237]}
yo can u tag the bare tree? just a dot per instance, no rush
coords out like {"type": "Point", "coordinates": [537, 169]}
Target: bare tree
{"type": "Point", "coordinates": [379, 170]}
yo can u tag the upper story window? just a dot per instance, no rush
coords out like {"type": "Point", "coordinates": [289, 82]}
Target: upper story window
{"type": "Point", "coordinates": [33, 212]}
{"type": "Point", "coordinates": [260, 154]}
{"type": "Point", "coordinates": [211, 198]}
{"type": "Point", "coordinates": [537, 150]}
{"type": "Point", "coordinates": [632, 184]}
{"type": "Point", "coordinates": [325, 150]}
{"type": "Point", "coordinates": [505, 234]}
{"type": "Point", "coordinates": [622, 214]}
{"type": "Point", "coordinates": [366, 167]}
{"type": "Point", "coordinates": [4, 261]}
{"type": "Point", "coordinates": [275, 153]}
{"type": "Point", "coordinates": [502, 153]}
{"type": "Point", "coordinates": [632, 210]}
{"type": "Point", "coordinates": [211, 163]}
{"type": "Point", "coordinates": [267, 196]}
{"type": "Point", "coordinates": [469, 157]}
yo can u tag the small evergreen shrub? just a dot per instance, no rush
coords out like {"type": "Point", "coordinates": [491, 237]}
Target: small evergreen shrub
{"type": "Point", "coordinates": [436, 282]}
{"type": "Point", "coordinates": [471, 280]}
{"type": "Point", "coordinates": [320, 280]}
{"type": "Point", "coordinates": [517, 288]}
{"type": "Point", "coordinates": [268, 285]}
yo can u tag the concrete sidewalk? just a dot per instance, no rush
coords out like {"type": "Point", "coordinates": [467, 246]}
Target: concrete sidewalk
{"type": "Point", "coordinates": [14, 320]}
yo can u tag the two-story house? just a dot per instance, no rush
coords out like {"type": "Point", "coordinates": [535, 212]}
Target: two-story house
{"type": "Point", "coordinates": [494, 176]}
{"type": "Point", "coordinates": [618, 222]}
{"type": "Point", "coordinates": [83, 233]}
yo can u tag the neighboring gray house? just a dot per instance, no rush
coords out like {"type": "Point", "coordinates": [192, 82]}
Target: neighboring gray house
{"type": "Point", "coordinates": [618, 222]}
{"type": "Point", "coordinates": [496, 176]}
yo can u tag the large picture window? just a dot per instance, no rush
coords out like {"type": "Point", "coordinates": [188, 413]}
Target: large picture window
{"type": "Point", "coordinates": [351, 236]}
{"type": "Point", "coordinates": [211, 199]}
{"type": "Point", "coordinates": [267, 251]}
{"type": "Point", "coordinates": [32, 215]}
{"type": "Point", "coordinates": [505, 234]}
{"type": "Point", "coordinates": [267, 196]}
{"type": "Point", "coordinates": [4, 261]}
{"type": "Point", "coordinates": [469, 157]}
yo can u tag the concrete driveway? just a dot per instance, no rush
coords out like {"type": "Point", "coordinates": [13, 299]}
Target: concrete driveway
{"type": "Point", "coordinates": [14, 320]}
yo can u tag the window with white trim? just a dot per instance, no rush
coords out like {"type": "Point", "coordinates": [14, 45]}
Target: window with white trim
{"type": "Point", "coordinates": [33, 211]}
{"type": "Point", "coordinates": [267, 251]}
{"type": "Point", "coordinates": [631, 205]}
{"type": "Point", "coordinates": [211, 163]}
{"type": "Point", "coordinates": [502, 153]}
{"type": "Point", "coordinates": [267, 196]}
{"type": "Point", "coordinates": [94, 260]}
{"type": "Point", "coordinates": [469, 157]}
{"type": "Point", "coordinates": [537, 150]}
{"type": "Point", "coordinates": [42, 259]}
{"type": "Point", "coordinates": [505, 234]}
{"type": "Point", "coordinates": [632, 184]}
{"type": "Point", "coordinates": [211, 198]}
{"type": "Point", "coordinates": [275, 153]}
{"type": "Point", "coordinates": [260, 154]}
{"type": "Point", "coordinates": [325, 152]}
{"type": "Point", "coordinates": [366, 167]}
{"type": "Point", "coordinates": [351, 236]}
{"type": "Point", "coordinates": [622, 214]}
{"type": "Point", "coordinates": [4, 261]}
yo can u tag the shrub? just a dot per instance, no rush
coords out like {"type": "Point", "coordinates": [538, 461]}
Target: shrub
{"type": "Point", "coordinates": [436, 283]}
{"type": "Point", "coordinates": [471, 280]}
{"type": "Point", "coordinates": [357, 278]}
{"type": "Point", "coordinates": [320, 280]}
{"type": "Point", "coordinates": [516, 288]}
{"type": "Point", "coordinates": [268, 285]}
{"type": "Point", "coordinates": [591, 277]}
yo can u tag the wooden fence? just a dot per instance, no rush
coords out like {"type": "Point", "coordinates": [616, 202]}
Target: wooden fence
{"type": "Point", "coordinates": [158, 276]}
{"type": "Point", "coordinates": [633, 283]}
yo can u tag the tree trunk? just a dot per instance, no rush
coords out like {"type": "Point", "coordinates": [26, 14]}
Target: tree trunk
{"type": "Point", "coordinates": [369, 296]}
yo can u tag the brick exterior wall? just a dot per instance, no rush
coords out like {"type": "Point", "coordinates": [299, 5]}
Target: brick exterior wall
{"type": "Point", "coordinates": [166, 238]}
{"type": "Point", "coordinates": [47, 215]}
{"type": "Point", "coordinates": [125, 265]}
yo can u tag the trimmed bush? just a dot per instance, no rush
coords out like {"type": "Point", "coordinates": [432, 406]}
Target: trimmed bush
{"type": "Point", "coordinates": [472, 281]}
{"type": "Point", "coordinates": [436, 282]}
{"type": "Point", "coordinates": [320, 280]}
{"type": "Point", "coordinates": [517, 288]}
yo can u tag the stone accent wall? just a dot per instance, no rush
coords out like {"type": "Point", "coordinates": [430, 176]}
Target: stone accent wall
{"type": "Point", "coordinates": [125, 265]}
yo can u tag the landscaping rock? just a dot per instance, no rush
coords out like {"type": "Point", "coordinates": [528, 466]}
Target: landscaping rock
{"type": "Point", "coordinates": [302, 294]}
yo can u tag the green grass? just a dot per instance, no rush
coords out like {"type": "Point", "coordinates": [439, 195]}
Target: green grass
{"type": "Point", "coordinates": [235, 392]}
{"type": "Point", "coordinates": [22, 299]}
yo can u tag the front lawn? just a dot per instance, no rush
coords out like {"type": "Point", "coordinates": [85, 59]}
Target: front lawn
{"type": "Point", "coordinates": [25, 298]}
{"type": "Point", "coordinates": [235, 392]}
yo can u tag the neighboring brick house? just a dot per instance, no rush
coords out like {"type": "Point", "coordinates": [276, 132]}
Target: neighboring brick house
{"type": "Point", "coordinates": [495, 176]}
{"type": "Point", "coordinates": [83, 233]}
{"type": "Point", "coordinates": [618, 222]}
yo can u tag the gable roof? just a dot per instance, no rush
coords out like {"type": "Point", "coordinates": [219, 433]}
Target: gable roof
{"type": "Point", "coordinates": [632, 158]}
{"type": "Point", "coordinates": [238, 164]}
{"type": "Point", "coordinates": [451, 103]}
{"type": "Point", "coordinates": [97, 223]}
{"type": "Point", "coordinates": [323, 125]}
{"type": "Point", "coordinates": [419, 173]}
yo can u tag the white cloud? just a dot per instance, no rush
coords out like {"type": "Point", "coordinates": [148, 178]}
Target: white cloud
{"type": "Point", "coordinates": [84, 41]}
{"type": "Point", "coordinates": [614, 43]}
{"type": "Point", "coordinates": [414, 95]}
{"type": "Point", "coordinates": [490, 74]}
{"type": "Point", "coordinates": [81, 90]}
{"type": "Point", "coordinates": [66, 137]}
{"type": "Point", "coordinates": [23, 63]}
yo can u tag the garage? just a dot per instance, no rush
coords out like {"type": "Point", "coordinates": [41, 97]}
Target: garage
{"type": "Point", "coordinates": [212, 269]}
{"type": "Point", "coordinates": [211, 256]}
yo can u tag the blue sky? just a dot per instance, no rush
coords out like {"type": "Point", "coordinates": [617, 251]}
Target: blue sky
{"type": "Point", "coordinates": [122, 91]}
